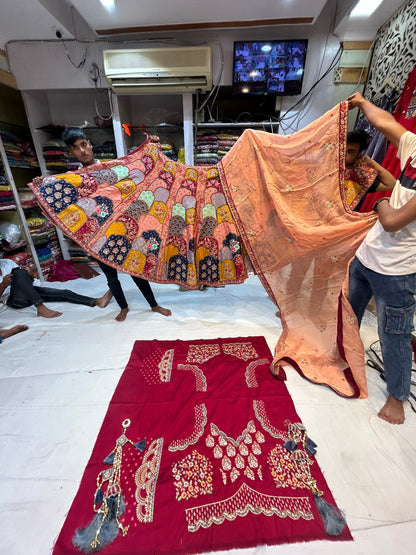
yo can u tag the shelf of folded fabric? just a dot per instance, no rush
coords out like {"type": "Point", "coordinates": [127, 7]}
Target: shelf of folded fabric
{"type": "Point", "coordinates": [215, 138]}
{"type": "Point", "coordinates": [45, 240]}
{"type": "Point", "coordinates": [211, 146]}
{"type": "Point", "coordinates": [27, 198]}
{"type": "Point", "coordinates": [20, 153]}
{"type": "Point", "coordinates": [168, 150]}
{"type": "Point", "coordinates": [168, 135]}
{"type": "Point", "coordinates": [7, 201]}
{"type": "Point", "coordinates": [56, 157]}
{"type": "Point", "coordinates": [46, 260]}
{"type": "Point", "coordinates": [76, 253]}
{"type": "Point", "coordinates": [104, 152]}
{"type": "Point", "coordinates": [19, 247]}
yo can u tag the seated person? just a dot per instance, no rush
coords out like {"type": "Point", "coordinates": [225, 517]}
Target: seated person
{"type": "Point", "coordinates": [362, 174]}
{"type": "Point", "coordinates": [4, 334]}
{"type": "Point", "coordinates": [23, 293]}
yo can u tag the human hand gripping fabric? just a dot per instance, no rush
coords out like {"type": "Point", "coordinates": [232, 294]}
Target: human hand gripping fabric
{"type": "Point", "coordinates": [365, 159]}
{"type": "Point", "coordinates": [355, 101]}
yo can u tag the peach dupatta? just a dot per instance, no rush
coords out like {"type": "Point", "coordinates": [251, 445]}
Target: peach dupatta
{"type": "Point", "coordinates": [287, 195]}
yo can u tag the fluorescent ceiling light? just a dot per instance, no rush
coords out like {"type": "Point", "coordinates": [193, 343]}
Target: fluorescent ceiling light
{"type": "Point", "coordinates": [109, 4]}
{"type": "Point", "coordinates": [266, 48]}
{"type": "Point", "coordinates": [364, 8]}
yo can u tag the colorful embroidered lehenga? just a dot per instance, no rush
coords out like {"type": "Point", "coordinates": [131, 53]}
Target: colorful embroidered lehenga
{"type": "Point", "coordinates": [274, 202]}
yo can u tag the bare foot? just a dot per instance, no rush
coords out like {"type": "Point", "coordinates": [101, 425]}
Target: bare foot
{"type": "Point", "coordinates": [103, 301]}
{"type": "Point", "coordinates": [161, 310]}
{"type": "Point", "coordinates": [12, 331]}
{"type": "Point", "coordinates": [122, 316]}
{"type": "Point", "coordinates": [46, 312]}
{"type": "Point", "coordinates": [393, 411]}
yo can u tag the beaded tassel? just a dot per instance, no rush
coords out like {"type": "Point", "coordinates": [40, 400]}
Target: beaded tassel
{"type": "Point", "coordinates": [108, 507]}
{"type": "Point", "coordinates": [332, 518]}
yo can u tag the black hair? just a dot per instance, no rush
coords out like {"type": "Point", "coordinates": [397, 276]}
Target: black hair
{"type": "Point", "coordinates": [359, 136]}
{"type": "Point", "coordinates": [72, 134]}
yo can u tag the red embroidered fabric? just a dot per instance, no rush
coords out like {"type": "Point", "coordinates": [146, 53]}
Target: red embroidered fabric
{"type": "Point", "coordinates": [214, 473]}
{"type": "Point", "coordinates": [358, 180]}
{"type": "Point", "coordinates": [405, 114]}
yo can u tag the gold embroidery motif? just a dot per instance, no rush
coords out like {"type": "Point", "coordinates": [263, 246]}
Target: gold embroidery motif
{"type": "Point", "coordinates": [146, 480]}
{"type": "Point", "coordinates": [251, 379]}
{"type": "Point", "coordinates": [240, 453]}
{"type": "Point", "coordinates": [245, 351]}
{"type": "Point", "coordinates": [165, 366]}
{"type": "Point", "coordinates": [285, 473]}
{"type": "Point", "coordinates": [200, 379]}
{"type": "Point", "coordinates": [202, 353]}
{"type": "Point", "coordinates": [260, 412]}
{"type": "Point", "coordinates": [247, 500]}
{"type": "Point", "coordinates": [193, 476]}
{"type": "Point", "coordinates": [200, 422]}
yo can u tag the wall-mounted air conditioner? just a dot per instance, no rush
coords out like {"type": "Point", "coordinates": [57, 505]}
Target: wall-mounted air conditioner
{"type": "Point", "coordinates": [175, 69]}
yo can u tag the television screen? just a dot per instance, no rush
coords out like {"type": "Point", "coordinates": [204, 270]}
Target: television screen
{"type": "Point", "coordinates": [269, 67]}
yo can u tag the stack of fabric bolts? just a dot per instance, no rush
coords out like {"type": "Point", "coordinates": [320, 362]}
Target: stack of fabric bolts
{"type": "Point", "coordinates": [6, 195]}
{"type": "Point", "coordinates": [206, 150]}
{"type": "Point", "coordinates": [55, 156]}
{"type": "Point", "coordinates": [210, 149]}
{"type": "Point", "coordinates": [20, 154]}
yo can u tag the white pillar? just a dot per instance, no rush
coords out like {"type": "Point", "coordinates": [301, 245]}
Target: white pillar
{"type": "Point", "coordinates": [188, 128]}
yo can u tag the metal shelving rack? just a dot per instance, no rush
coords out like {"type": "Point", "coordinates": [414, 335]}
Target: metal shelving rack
{"type": "Point", "coordinates": [10, 179]}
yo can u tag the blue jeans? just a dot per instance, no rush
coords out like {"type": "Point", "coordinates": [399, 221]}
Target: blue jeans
{"type": "Point", "coordinates": [395, 304]}
{"type": "Point", "coordinates": [23, 293]}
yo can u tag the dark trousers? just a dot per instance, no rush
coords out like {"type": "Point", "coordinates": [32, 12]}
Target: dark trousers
{"type": "Point", "coordinates": [115, 286]}
{"type": "Point", "coordinates": [23, 293]}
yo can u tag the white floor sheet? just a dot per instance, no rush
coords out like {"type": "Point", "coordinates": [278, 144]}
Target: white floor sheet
{"type": "Point", "coordinates": [57, 379]}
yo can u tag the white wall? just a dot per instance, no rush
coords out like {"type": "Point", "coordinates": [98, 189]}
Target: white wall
{"type": "Point", "coordinates": [45, 65]}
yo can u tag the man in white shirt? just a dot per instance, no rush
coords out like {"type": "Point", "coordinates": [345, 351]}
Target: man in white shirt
{"type": "Point", "coordinates": [23, 293]}
{"type": "Point", "coordinates": [385, 264]}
